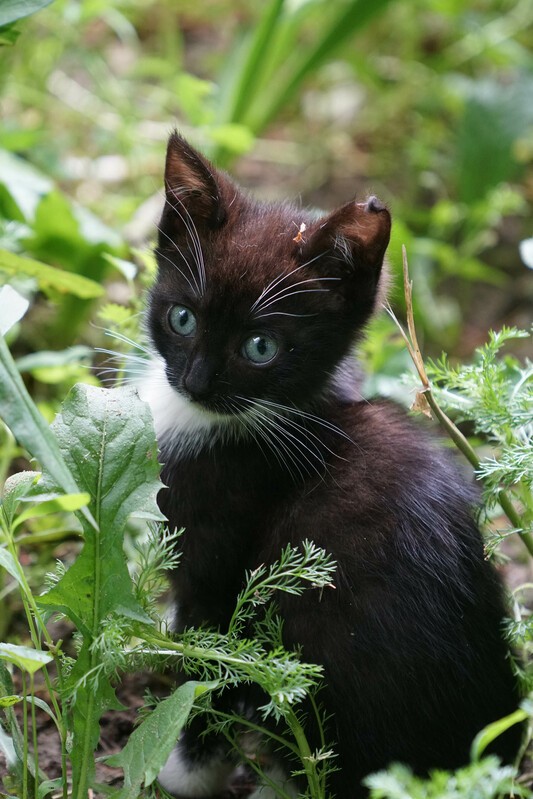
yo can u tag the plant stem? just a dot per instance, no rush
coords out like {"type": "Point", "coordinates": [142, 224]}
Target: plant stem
{"type": "Point", "coordinates": [25, 738]}
{"type": "Point", "coordinates": [452, 430]}
{"type": "Point", "coordinates": [305, 753]}
{"type": "Point", "coordinates": [34, 736]}
{"type": "Point", "coordinates": [35, 623]}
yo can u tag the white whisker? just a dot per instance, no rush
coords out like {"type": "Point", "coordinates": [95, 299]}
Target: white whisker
{"type": "Point", "coordinates": [280, 278]}
{"type": "Point", "coordinates": [280, 294]}
{"type": "Point", "coordinates": [188, 221]}
{"type": "Point", "coordinates": [161, 254]}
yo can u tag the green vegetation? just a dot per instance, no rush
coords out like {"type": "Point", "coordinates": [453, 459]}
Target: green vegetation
{"type": "Point", "coordinates": [425, 103]}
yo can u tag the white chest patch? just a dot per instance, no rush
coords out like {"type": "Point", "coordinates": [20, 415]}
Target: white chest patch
{"type": "Point", "coordinates": [181, 426]}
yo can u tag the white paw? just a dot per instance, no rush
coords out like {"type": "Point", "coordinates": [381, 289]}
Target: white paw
{"type": "Point", "coordinates": [182, 778]}
{"type": "Point", "coordinates": [279, 777]}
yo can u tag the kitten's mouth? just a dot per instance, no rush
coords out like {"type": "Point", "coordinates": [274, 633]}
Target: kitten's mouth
{"type": "Point", "coordinates": [212, 407]}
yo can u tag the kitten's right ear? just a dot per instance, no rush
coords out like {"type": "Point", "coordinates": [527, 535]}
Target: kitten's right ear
{"type": "Point", "coordinates": [192, 190]}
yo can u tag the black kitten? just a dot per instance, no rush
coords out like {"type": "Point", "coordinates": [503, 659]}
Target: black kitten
{"type": "Point", "coordinates": [266, 441]}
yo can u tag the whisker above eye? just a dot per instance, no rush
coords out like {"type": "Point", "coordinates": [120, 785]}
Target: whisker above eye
{"type": "Point", "coordinates": [283, 277]}
{"type": "Point", "coordinates": [281, 293]}
{"type": "Point", "coordinates": [161, 254]}
{"type": "Point", "coordinates": [190, 227]}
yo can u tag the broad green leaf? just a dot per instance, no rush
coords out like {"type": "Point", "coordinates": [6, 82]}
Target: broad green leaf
{"type": "Point", "coordinates": [50, 277]}
{"type": "Point", "coordinates": [29, 428]}
{"type": "Point", "coordinates": [24, 657]}
{"type": "Point", "coordinates": [56, 504]}
{"type": "Point", "coordinates": [13, 306]}
{"type": "Point", "coordinates": [151, 743]}
{"type": "Point", "coordinates": [15, 488]}
{"type": "Point", "coordinates": [487, 735]}
{"type": "Point", "coordinates": [107, 439]}
{"type": "Point", "coordinates": [12, 10]}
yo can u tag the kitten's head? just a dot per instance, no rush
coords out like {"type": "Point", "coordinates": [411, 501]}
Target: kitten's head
{"type": "Point", "coordinates": [257, 302]}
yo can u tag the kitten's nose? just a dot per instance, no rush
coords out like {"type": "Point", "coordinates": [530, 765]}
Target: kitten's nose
{"type": "Point", "coordinates": [198, 379]}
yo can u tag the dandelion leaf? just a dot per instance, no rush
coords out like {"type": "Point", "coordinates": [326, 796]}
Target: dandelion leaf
{"type": "Point", "coordinates": [107, 440]}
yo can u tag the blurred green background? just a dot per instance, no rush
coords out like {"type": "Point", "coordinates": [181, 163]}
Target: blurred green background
{"type": "Point", "coordinates": [428, 104]}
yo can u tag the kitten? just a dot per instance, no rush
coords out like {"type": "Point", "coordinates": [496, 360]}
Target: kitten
{"type": "Point", "coordinates": [266, 441]}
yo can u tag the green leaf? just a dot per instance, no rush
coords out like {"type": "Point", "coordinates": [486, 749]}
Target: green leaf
{"type": "Point", "coordinates": [126, 268]}
{"type": "Point", "coordinates": [151, 743]}
{"type": "Point", "coordinates": [28, 426]}
{"type": "Point", "coordinates": [351, 18]}
{"type": "Point", "coordinates": [49, 277]}
{"type": "Point", "coordinates": [8, 35]}
{"type": "Point", "coordinates": [8, 562]}
{"type": "Point", "coordinates": [55, 359]}
{"type": "Point", "coordinates": [24, 657]}
{"type": "Point", "coordinates": [6, 746]}
{"type": "Point", "coordinates": [24, 184]}
{"type": "Point", "coordinates": [15, 488]}
{"type": "Point", "coordinates": [13, 306]}
{"type": "Point", "coordinates": [12, 10]}
{"type": "Point", "coordinates": [55, 504]}
{"type": "Point", "coordinates": [9, 701]}
{"type": "Point", "coordinates": [487, 735]}
{"type": "Point", "coordinates": [107, 439]}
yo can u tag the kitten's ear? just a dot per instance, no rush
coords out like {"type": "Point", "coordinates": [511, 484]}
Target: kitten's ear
{"type": "Point", "coordinates": [192, 187]}
{"type": "Point", "coordinates": [355, 235]}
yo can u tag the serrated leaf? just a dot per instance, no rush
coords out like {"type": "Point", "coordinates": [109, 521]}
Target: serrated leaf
{"type": "Point", "coordinates": [151, 743]}
{"type": "Point", "coordinates": [24, 657]}
{"type": "Point", "coordinates": [49, 277]}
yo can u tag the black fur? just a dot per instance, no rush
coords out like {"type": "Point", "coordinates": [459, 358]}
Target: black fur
{"type": "Point", "coordinates": [411, 638]}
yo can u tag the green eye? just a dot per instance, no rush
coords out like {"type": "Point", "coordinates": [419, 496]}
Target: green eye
{"type": "Point", "coordinates": [182, 320]}
{"type": "Point", "coordinates": [260, 349]}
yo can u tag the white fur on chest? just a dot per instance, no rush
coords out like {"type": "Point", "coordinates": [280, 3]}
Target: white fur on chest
{"type": "Point", "coordinates": [181, 427]}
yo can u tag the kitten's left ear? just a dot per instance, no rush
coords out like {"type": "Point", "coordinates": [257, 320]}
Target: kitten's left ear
{"type": "Point", "coordinates": [192, 187]}
{"type": "Point", "coordinates": [355, 236]}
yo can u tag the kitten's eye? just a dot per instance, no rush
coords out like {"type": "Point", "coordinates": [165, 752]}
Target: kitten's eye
{"type": "Point", "coordinates": [182, 320]}
{"type": "Point", "coordinates": [260, 349]}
